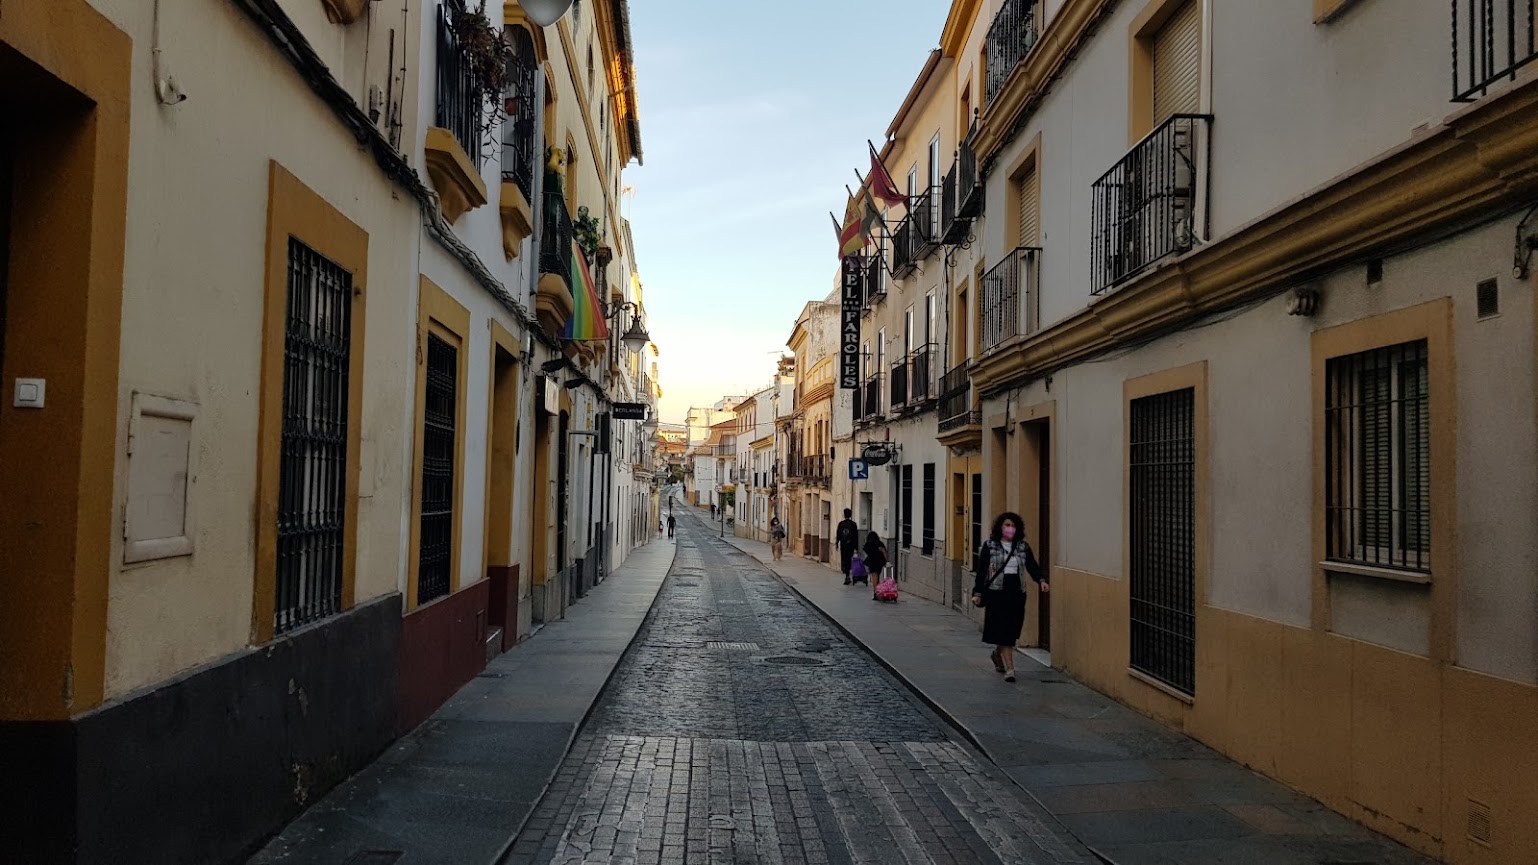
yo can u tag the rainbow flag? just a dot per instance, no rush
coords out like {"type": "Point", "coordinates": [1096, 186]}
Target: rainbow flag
{"type": "Point", "coordinates": [587, 321]}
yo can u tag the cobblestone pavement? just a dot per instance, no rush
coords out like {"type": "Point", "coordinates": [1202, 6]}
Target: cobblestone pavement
{"type": "Point", "coordinates": [743, 728]}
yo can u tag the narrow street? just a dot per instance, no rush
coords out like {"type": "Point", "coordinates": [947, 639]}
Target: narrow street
{"type": "Point", "coordinates": [742, 727]}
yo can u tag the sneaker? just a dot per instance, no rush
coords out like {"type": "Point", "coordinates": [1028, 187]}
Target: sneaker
{"type": "Point", "coordinates": [1009, 676]}
{"type": "Point", "coordinates": [846, 581]}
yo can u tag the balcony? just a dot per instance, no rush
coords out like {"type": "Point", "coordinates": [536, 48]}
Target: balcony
{"type": "Point", "coordinates": [1010, 39]}
{"type": "Point", "coordinates": [1011, 297]}
{"type": "Point", "coordinates": [924, 222]}
{"type": "Point", "coordinates": [955, 407]}
{"type": "Point", "coordinates": [870, 399]}
{"type": "Point", "coordinates": [874, 287]}
{"type": "Point", "coordinates": [904, 261]}
{"type": "Point", "coordinates": [921, 384]}
{"type": "Point", "coordinates": [458, 97]}
{"type": "Point", "coordinates": [961, 197]}
{"type": "Point", "coordinates": [1492, 41]}
{"type": "Point", "coordinates": [553, 303]}
{"type": "Point", "coordinates": [518, 143]}
{"type": "Point", "coordinates": [898, 376]}
{"type": "Point", "coordinates": [1145, 207]}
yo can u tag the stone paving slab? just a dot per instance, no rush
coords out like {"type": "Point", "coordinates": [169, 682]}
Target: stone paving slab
{"type": "Point", "coordinates": [456, 790]}
{"type": "Point", "coordinates": [1134, 791]}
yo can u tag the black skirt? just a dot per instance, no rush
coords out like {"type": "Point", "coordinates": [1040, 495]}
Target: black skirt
{"type": "Point", "coordinates": [1003, 616]}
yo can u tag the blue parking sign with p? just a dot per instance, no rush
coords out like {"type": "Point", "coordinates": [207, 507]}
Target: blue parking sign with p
{"type": "Point", "coordinates": [859, 470]}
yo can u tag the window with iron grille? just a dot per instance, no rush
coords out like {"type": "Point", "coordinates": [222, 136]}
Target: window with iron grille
{"type": "Point", "coordinates": [435, 556]}
{"type": "Point", "coordinates": [312, 478]}
{"type": "Point", "coordinates": [907, 507]}
{"type": "Point", "coordinates": [1378, 458]}
{"type": "Point", "coordinates": [929, 509]}
{"type": "Point", "coordinates": [1162, 539]}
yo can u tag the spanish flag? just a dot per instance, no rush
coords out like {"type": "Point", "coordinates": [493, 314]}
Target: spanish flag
{"type": "Point", "coordinates": [587, 320]}
{"type": "Point", "coordinates": [860, 220]}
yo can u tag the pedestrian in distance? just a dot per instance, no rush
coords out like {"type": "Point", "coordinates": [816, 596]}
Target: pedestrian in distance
{"type": "Point", "coordinates": [876, 558]}
{"type": "Point", "coordinates": [712, 510]}
{"type": "Point", "coordinates": [848, 538]}
{"type": "Point", "coordinates": [999, 590]}
{"type": "Point", "coordinates": [776, 538]}
{"type": "Point", "coordinates": [671, 524]}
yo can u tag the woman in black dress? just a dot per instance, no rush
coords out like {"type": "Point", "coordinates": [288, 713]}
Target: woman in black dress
{"type": "Point", "coordinates": [999, 590]}
{"type": "Point", "coordinates": [875, 558]}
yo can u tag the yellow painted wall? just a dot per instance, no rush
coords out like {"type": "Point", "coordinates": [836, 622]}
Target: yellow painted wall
{"type": "Point", "coordinates": [192, 326]}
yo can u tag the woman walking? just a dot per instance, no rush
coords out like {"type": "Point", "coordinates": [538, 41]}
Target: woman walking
{"type": "Point", "coordinates": [776, 538]}
{"type": "Point", "coordinates": [875, 557]}
{"type": "Point", "coordinates": [1000, 591]}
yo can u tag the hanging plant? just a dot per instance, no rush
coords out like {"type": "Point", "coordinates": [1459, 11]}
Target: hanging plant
{"type": "Point", "coordinates": [587, 231]}
{"type": "Point", "coordinates": [487, 57]}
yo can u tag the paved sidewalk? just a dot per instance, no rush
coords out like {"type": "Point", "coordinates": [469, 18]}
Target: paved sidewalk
{"type": "Point", "coordinates": [457, 788]}
{"type": "Point", "coordinates": [1133, 790]}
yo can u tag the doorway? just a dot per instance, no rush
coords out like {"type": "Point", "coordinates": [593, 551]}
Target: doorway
{"type": "Point", "coordinates": [827, 530]}
{"type": "Point", "coordinates": [867, 514]}
{"type": "Point", "coordinates": [502, 446]}
{"type": "Point", "coordinates": [1036, 506]}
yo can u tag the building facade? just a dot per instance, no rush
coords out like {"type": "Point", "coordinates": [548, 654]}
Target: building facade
{"type": "Point", "coordinates": [1251, 348]}
{"type": "Point", "coordinates": [262, 536]}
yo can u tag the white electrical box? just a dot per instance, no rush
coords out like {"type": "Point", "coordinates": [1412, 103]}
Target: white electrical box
{"type": "Point", "coordinates": [30, 393]}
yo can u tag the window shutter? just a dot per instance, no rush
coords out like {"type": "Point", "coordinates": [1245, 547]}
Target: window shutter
{"type": "Point", "coordinates": [1177, 64]}
{"type": "Point", "coordinates": [1029, 193]}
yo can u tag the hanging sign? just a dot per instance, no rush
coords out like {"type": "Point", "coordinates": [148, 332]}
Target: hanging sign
{"type": "Point", "coordinates": [849, 327]}
{"type": "Point", "coordinates": [630, 411]}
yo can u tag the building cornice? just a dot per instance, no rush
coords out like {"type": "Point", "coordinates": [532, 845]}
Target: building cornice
{"type": "Point", "coordinates": [1482, 162]}
{"type": "Point", "coordinates": [958, 25]}
{"type": "Point", "coordinates": [917, 90]}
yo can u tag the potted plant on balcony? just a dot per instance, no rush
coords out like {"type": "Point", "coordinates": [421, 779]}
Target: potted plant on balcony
{"type": "Point", "coordinates": [486, 57]}
{"type": "Point", "coordinates": [586, 229]}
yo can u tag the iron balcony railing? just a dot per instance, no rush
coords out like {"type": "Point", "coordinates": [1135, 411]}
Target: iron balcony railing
{"type": "Point", "coordinates": [1492, 40]}
{"type": "Point", "coordinates": [952, 229]}
{"type": "Point", "coordinates": [870, 397]}
{"type": "Point", "coordinates": [519, 104]}
{"type": "Point", "coordinates": [1011, 296]}
{"type": "Point", "coordinates": [904, 261]}
{"type": "Point", "coordinates": [899, 379]}
{"type": "Point", "coordinates": [459, 100]}
{"type": "Point", "coordinates": [556, 240]}
{"type": "Point", "coordinates": [921, 370]}
{"type": "Point", "coordinates": [875, 278]}
{"type": "Point", "coordinates": [924, 222]}
{"type": "Point", "coordinates": [969, 186]}
{"type": "Point", "coordinates": [955, 396]}
{"type": "Point", "coordinates": [1010, 39]}
{"type": "Point", "coordinates": [1144, 208]}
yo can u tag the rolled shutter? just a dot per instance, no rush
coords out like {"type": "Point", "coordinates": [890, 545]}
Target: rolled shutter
{"type": "Point", "coordinates": [1177, 56]}
{"type": "Point", "coordinates": [1028, 191]}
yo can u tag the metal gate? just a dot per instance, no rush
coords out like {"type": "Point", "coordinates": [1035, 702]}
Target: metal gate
{"type": "Point", "coordinates": [1163, 538]}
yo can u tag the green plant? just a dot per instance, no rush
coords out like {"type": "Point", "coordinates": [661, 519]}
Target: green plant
{"type": "Point", "coordinates": [487, 57]}
{"type": "Point", "coordinates": [588, 232]}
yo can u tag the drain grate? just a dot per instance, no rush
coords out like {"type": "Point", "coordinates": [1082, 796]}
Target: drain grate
{"type": "Point", "coordinates": [794, 661]}
{"type": "Point", "coordinates": [727, 646]}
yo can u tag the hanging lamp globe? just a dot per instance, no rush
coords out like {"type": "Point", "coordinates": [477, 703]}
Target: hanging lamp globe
{"type": "Point", "coordinates": [636, 337]}
{"type": "Point", "coordinates": [545, 12]}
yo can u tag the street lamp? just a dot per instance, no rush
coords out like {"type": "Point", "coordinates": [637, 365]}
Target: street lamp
{"type": "Point", "coordinates": [545, 12]}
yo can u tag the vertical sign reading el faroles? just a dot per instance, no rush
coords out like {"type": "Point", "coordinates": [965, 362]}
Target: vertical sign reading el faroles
{"type": "Point", "coordinates": [849, 327]}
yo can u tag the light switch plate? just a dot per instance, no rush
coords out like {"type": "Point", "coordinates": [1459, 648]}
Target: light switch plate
{"type": "Point", "coordinates": [30, 392]}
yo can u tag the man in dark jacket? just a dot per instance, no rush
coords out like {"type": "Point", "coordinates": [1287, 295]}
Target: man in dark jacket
{"type": "Point", "coordinates": [848, 538]}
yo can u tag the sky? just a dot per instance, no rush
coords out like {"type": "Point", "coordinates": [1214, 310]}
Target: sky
{"type": "Point", "coordinates": [753, 119]}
